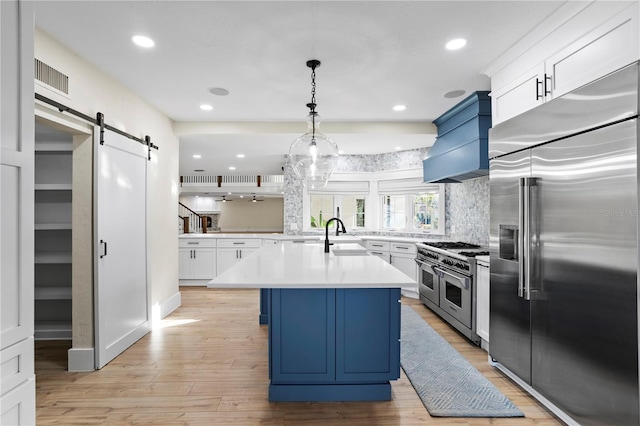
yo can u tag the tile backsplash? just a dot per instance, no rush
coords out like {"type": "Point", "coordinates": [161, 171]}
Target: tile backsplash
{"type": "Point", "coordinates": [467, 210]}
{"type": "Point", "coordinates": [466, 205]}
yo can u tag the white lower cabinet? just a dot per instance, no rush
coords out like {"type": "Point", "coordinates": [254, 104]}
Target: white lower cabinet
{"type": "Point", "coordinates": [18, 406]}
{"type": "Point", "coordinates": [232, 251]}
{"type": "Point", "coordinates": [379, 249]}
{"type": "Point", "coordinates": [197, 260]}
{"type": "Point", "coordinates": [482, 301]}
{"type": "Point", "coordinates": [401, 255]}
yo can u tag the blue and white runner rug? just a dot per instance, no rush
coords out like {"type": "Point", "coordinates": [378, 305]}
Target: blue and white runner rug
{"type": "Point", "coordinates": [447, 384]}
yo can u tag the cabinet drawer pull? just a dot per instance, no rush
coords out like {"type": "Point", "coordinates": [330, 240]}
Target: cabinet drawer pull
{"type": "Point", "coordinates": [376, 245]}
{"type": "Point", "coordinates": [538, 87]}
{"type": "Point", "coordinates": [235, 242]}
{"type": "Point", "coordinates": [547, 88]}
{"type": "Point", "coordinates": [402, 247]}
{"type": "Point", "coordinates": [189, 242]}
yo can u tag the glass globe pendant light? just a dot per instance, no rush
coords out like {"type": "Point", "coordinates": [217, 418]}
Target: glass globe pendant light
{"type": "Point", "coordinates": [313, 155]}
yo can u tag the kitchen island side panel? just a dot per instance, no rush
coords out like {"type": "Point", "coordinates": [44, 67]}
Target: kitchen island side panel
{"type": "Point", "coordinates": [333, 344]}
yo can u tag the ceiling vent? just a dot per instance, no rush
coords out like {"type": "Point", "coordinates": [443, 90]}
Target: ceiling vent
{"type": "Point", "coordinates": [51, 77]}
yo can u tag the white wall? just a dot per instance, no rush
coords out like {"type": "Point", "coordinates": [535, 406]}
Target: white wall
{"type": "Point", "coordinates": [242, 215]}
{"type": "Point", "coordinates": [91, 91]}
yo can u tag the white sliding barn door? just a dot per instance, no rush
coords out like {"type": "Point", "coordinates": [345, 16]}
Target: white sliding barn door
{"type": "Point", "coordinates": [122, 308]}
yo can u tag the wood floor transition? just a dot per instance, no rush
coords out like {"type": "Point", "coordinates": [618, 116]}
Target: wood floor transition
{"type": "Point", "coordinates": [207, 365]}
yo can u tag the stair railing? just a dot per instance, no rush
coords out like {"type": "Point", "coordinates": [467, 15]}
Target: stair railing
{"type": "Point", "coordinates": [192, 221]}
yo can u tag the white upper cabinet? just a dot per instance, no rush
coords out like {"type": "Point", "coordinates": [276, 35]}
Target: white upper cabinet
{"type": "Point", "coordinates": [584, 56]}
{"type": "Point", "coordinates": [607, 48]}
{"type": "Point", "coordinates": [522, 94]}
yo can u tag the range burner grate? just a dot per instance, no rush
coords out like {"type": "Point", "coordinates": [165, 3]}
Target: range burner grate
{"type": "Point", "coordinates": [451, 245]}
{"type": "Point", "coordinates": [473, 253]}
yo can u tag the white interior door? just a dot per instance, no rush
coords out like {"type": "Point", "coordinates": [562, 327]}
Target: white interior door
{"type": "Point", "coordinates": [122, 308]}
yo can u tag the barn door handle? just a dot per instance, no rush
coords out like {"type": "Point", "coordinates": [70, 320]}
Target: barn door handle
{"type": "Point", "coordinates": [104, 246]}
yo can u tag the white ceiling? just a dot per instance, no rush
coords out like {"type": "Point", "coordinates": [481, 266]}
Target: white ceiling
{"type": "Point", "coordinates": [375, 54]}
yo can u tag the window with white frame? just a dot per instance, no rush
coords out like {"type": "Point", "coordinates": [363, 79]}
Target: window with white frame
{"type": "Point", "coordinates": [412, 206]}
{"type": "Point", "coordinates": [344, 199]}
{"type": "Point", "coordinates": [350, 209]}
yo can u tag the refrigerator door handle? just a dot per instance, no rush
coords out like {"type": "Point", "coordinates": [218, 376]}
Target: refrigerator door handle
{"type": "Point", "coordinates": [525, 270]}
{"type": "Point", "coordinates": [522, 232]}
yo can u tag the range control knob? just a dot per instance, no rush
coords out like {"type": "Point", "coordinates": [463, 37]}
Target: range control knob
{"type": "Point", "coordinates": [448, 262]}
{"type": "Point", "coordinates": [460, 265]}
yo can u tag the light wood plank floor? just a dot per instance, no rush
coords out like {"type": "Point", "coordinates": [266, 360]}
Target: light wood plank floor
{"type": "Point", "coordinates": [208, 366]}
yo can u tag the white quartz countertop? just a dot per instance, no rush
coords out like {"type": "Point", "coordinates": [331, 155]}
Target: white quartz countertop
{"type": "Point", "coordinates": [396, 239]}
{"type": "Point", "coordinates": [219, 235]}
{"type": "Point", "coordinates": [318, 237]}
{"type": "Point", "coordinates": [307, 266]}
{"type": "Point", "coordinates": [483, 259]}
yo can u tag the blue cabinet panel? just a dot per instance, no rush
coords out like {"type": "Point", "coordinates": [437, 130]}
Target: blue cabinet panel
{"type": "Point", "coordinates": [333, 344]}
{"type": "Point", "coordinates": [264, 306]}
{"type": "Point", "coordinates": [367, 334]}
{"type": "Point", "coordinates": [302, 335]}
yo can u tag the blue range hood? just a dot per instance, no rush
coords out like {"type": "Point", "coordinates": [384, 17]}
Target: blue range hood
{"type": "Point", "coordinates": [461, 151]}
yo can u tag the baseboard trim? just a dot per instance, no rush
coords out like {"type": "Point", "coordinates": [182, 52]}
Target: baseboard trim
{"type": "Point", "coordinates": [80, 359]}
{"type": "Point", "coordinates": [410, 293]}
{"type": "Point", "coordinates": [163, 309]}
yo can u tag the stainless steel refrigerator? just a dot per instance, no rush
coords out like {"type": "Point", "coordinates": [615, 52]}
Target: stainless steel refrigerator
{"type": "Point", "coordinates": [564, 251]}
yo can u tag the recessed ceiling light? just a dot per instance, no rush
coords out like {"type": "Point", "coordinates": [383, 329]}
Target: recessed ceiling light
{"type": "Point", "coordinates": [456, 43]}
{"type": "Point", "coordinates": [228, 193]}
{"type": "Point", "coordinates": [206, 107]}
{"type": "Point", "coordinates": [143, 41]}
{"type": "Point", "coordinates": [197, 196]}
{"type": "Point", "coordinates": [340, 152]}
{"type": "Point", "coordinates": [231, 168]}
{"type": "Point", "coordinates": [197, 156]}
{"type": "Point", "coordinates": [454, 94]}
{"type": "Point", "coordinates": [242, 196]}
{"type": "Point", "coordinates": [240, 155]}
{"type": "Point", "coordinates": [399, 107]}
{"type": "Point", "coordinates": [398, 148]}
{"type": "Point", "coordinates": [218, 91]}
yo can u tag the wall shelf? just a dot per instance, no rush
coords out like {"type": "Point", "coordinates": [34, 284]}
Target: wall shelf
{"type": "Point", "coordinates": [52, 257]}
{"type": "Point", "coordinates": [53, 225]}
{"type": "Point", "coordinates": [53, 186]}
{"type": "Point", "coordinates": [53, 293]}
{"type": "Point", "coordinates": [53, 330]}
{"type": "Point", "coordinates": [49, 146]}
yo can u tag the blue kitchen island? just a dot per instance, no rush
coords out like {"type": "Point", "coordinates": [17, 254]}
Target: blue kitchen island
{"type": "Point", "coordinates": [334, 320]}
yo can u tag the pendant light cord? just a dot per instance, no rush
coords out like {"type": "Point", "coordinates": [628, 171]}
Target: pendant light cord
{"type": "Point", "coordinates": [313, 103]}
{"type": "Point", "coordinates": [313, 64]}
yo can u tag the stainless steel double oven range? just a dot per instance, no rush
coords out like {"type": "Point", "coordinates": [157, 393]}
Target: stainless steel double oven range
{"type": "Point", "coordinates": [446, 282]}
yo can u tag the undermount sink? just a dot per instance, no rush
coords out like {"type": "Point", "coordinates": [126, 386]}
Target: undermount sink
{"type": "Point", "coordinates": [349, 250]}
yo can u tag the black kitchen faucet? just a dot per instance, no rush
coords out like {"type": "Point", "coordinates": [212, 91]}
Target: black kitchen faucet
{"type": "Point", "coordinates": [326, 232]}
